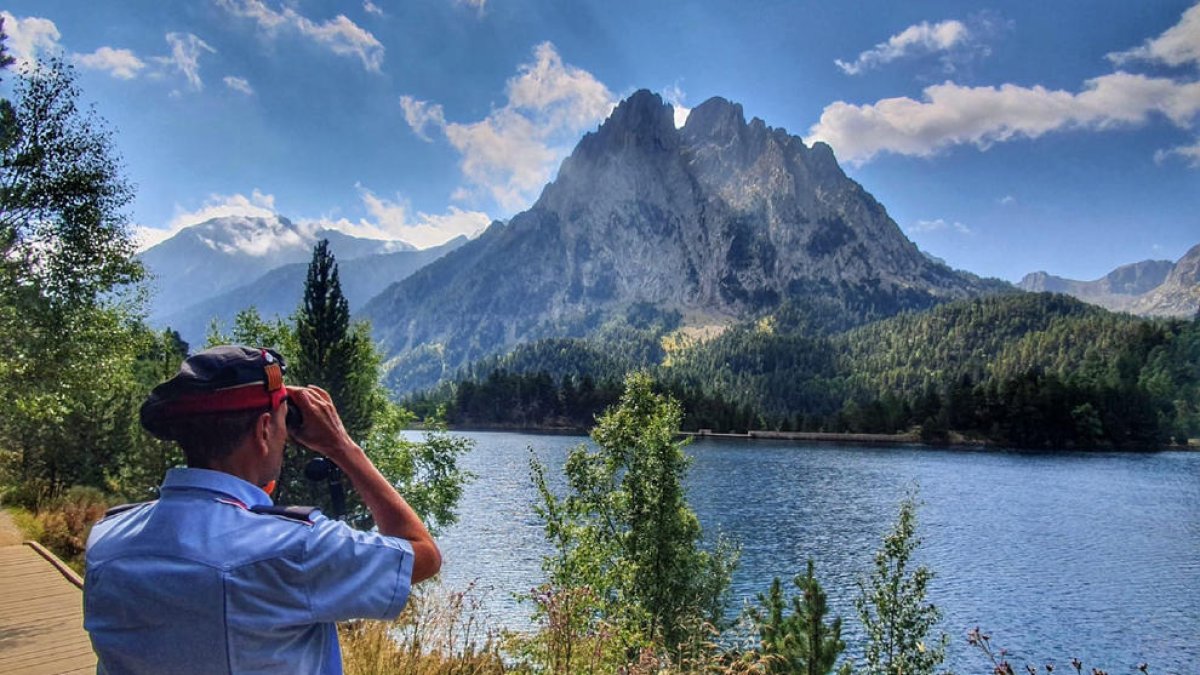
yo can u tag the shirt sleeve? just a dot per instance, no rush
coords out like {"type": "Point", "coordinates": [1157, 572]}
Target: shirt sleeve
{"type": "Point", "coordinates": [355, 575]}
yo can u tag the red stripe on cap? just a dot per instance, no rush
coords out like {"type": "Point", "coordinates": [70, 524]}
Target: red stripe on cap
{"type": "Point", "coordinates": [250, 396]}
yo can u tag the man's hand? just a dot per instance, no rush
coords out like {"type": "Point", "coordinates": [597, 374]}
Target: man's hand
{"type": "Point", "coordinates": [322, 430]}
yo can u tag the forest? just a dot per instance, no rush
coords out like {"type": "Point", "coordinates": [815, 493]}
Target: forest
{"type": "Point", "coordinates": [1017, 369]}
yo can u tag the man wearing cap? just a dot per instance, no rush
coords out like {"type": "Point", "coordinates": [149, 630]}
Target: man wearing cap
{"type": "Point", "coordinates": [212, 577]}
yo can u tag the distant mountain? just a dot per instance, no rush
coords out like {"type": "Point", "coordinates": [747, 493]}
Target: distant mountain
{"type": "Point", "coordinates": [718, 221]}
{"type": "Point", "coordinates": [280, 291]}
{"type": "Point", "coordinates": [215, 256]}
{"type": "Point", "coordinates": [1179, 294]}
{"type": "Point", "coordinates": [1147, 288]}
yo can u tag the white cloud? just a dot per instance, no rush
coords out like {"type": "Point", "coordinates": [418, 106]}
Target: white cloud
{"type": "Point", "coordinates": [391, 219]}
{"type": "Point", "coordinates": [950, 114]}
{"type": "Point", "coordinates": [147, 237]}
{"type": "Point", "coordinates": [339, 35]}
{"type": "Point", "coordinates": [509, 155]}
{"type": "Point", "coordinates": [922, 38]}
{"type": "Point", "coordinates": [938, 225]}
{"type": "Point", "coordinates": [1190, 154]}
{"type": "Point", "coordinates": [239, 84]}
{"type": "Point", "coordinates": [1007, 200]}
{"type": "Point", "coordinates": [120, 63]}
{"type": "Point", "coordinates": [675, 96]}
{"type": "Point", "coordinates": [422, 114]}
{"type": "Point", "coordinates": [257, 205]}
{"type": "Point", "coordinates": [29, 37]}
{"type": "Point", "coordinates": [186, 50]}
{"type": "Point", "coordinates": [388, 219]}
{"type": "Point", "coordinates": [372, 8]}
{"type": "Point", "coordinates": [1177, 46]}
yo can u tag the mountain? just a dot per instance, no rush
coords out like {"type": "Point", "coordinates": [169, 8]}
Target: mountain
{"type": "Point", "coordinates": [280, 291]}
{"type": "Point", "coordinates": [714, 222]}
{"type": "Point", "coordinates": [1179, 294]}
{"type": "Point", "coordinates": [205, 260]}
{"type": "Point", "coordinates": [1147, 288]}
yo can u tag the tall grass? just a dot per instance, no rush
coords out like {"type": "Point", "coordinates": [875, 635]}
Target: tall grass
{"type": "Point", "coordinates": [440, 631]}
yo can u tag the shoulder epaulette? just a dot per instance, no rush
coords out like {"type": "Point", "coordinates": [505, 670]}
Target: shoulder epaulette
{"type": "Point", "coordinates": [299, 513]}
{"type": "Point", "coordinates": [122, 508]}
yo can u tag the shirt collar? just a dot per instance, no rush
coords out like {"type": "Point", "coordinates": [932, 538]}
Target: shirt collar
{"type": "Point", "coordinates": [181, 479]}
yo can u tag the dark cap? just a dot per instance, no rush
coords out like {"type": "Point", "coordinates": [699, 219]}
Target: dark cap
{"type": "Point", "coordinates": [225, 379]}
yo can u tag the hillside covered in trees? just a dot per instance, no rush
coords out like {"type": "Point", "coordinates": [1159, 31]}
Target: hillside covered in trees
{"type": "Point", "coordinates": [1028, 370]}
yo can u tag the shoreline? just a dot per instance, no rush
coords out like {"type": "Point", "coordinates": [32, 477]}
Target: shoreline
{"type": "Point", "coordinates": [812, 437]}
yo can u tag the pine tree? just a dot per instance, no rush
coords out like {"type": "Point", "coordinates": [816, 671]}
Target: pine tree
{"type": "Point", "coordinates": [800, 642]}
{"type": "Point", "coordinates": [329, 348]}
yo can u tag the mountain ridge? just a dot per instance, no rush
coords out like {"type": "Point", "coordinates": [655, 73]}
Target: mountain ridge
{"type": "Point", "coordinates": [279, 292]}
{"type": "Point", "coordinates": [1159, 288]}
{"type": "Point", "coordinates": [721, 219]}
{"type": "Point", "coordinates": [207, 259]}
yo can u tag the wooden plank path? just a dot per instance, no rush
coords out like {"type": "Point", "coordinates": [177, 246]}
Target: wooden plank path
{"type": "Point", "coordinates": [41, 616]}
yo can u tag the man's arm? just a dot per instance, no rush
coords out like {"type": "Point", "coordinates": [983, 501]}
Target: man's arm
{"type": "Point", "coordinates": [323, 432]}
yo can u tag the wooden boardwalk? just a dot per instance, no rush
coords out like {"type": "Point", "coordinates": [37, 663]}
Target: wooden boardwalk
{"type": "Point", "coordinates": [41, 616]}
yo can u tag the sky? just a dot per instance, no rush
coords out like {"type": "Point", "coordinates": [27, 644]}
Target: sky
{"type": "Point", "coordinates": [1003, 137]}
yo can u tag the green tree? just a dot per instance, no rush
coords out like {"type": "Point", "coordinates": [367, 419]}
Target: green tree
{"type": "Point", "coordinates": [800, 642]}
{"type": "Point", "coordinates": [6, 59]}
{"type": "Point", "coordinates": [139, 469]}
{"type": "Point", "coordinates": [624, 531]}
{"type": "Point", "coordinates": [330, 352]}
{"type": "Point", "coordinates": [426, 472]}
{"type": "Point", "coordinates": [68, 290]}
{"type": "Point", "coordinates": [892, 607]}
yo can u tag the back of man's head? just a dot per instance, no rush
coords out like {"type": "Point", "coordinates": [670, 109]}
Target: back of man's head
{"type": "Point", "coordinates": [212, 403]}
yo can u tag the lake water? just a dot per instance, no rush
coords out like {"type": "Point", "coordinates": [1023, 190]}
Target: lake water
{"type": "Point", "coordinates": [1057, 555]}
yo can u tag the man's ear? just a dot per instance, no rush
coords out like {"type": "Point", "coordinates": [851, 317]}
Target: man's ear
{"type": "Point", "coordinates": [262, 431]}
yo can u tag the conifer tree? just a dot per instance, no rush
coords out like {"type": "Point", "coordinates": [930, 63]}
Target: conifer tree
{"type": "Point", "coordinates": [329, 348]}
{"type": "Point", "coordinates": [800, 642]}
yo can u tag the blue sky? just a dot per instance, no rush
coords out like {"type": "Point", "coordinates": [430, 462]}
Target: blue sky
{"type": "Point", "coordinates": [1005, 138]}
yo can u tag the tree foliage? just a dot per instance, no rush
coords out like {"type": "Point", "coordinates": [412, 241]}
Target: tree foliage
{"type": "Point", "coordinates": [627, 545]}
{"type": "Point", "coordinates": [1028, 370]}
{"type": "Point", "coordinates": [801, 641]}
{"type": "Point", "coordinates": [68, 291]}
{"type": "Point", "coordinates": [891, 605]}
{"type": "Point", "coordinates": [426, 472]}
{"type": "Point", "coordinates": [330, 351]}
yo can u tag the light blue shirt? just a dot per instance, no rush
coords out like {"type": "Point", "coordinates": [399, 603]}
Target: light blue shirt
{"type": "Point", "coordinates": [197, 583]}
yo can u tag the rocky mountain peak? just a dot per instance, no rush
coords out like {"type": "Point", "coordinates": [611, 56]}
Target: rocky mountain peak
{"type": "Point", "coordinates": [642, 120]}
{"type": "Point", "coordinates": [719, 219]}
{"type": "Point", "coordinates": [716, 120]}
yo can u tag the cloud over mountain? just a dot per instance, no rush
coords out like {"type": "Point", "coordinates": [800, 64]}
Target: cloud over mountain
{"type": "Point", "coordinates": [922, 38]}
{"type": "Point", "coordinates": [510, 154]}
{"type": "Point", "coordinates": [950, 114]}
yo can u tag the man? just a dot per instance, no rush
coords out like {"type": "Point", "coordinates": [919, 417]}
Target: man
{"type": "Point", "coordinates": [212, 577]}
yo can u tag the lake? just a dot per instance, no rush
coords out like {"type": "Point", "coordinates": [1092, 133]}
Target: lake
{"type": "Point", "coordinates": [1056, 555]}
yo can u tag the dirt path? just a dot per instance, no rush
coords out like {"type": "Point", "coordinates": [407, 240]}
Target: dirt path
{"type": "Point", "coordinates": [10, 534]}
